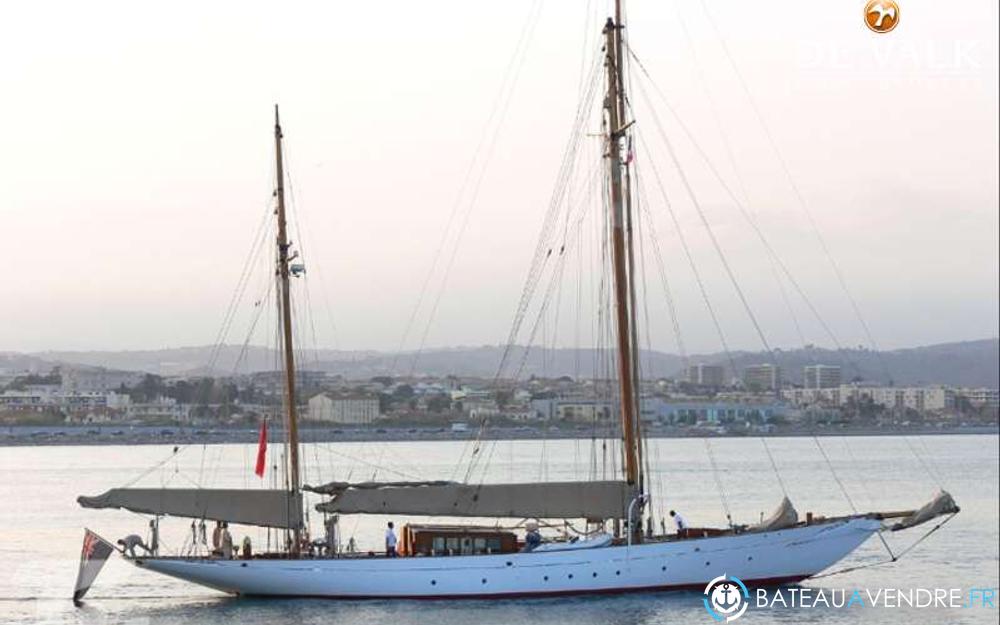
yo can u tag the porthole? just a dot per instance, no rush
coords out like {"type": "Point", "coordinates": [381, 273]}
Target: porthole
{"type": "Point", "coordinates": [663, 568]}
{"type": "Point", "coordinates": [484, 580]}
{"type": "Point", "coordinates": [708, 563]}
{"type": "Point", "coordinates": [434, 582]}
{"type": "Point", "coordinates": [595, 573]}
{"type": "Point", "coordinates": [546, 578]}
{"type": "Point", "coordinates": [618, 572]}
{"type": "Point", "coordinates": [571, 576]}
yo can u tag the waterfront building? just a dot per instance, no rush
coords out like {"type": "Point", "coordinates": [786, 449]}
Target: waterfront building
{"type": "Point", "coordinates": [763, 377]}
{"type": "Point", "coordinates": [98, 379]}
{"type": "Point", "coordinates": [930, 398]}
{"type": "Point", "coordinates": [706, 375]}
{"type": "Point", "coordinates": [821, 376]}
{"type": "Point", "coordinates": [346, 409]}
{"type": "Point", "coordinates": [981, 396]}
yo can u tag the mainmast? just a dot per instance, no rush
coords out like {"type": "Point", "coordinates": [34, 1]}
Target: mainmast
{"type": "Point", "coordinates": [286, 322]}
{"type": "Point", "coordinates": [621, 253]}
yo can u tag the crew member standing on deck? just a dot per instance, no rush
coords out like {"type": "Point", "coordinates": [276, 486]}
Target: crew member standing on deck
{"type": "Point", "coordinates": [390, 541]}
{"type": "Point", "coordinates": [679, 521]}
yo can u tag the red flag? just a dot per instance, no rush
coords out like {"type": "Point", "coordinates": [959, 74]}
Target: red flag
{"type": "Point", "coordinates": [261, 449]}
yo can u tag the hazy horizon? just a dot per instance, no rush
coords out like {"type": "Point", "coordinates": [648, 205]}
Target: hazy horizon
{"type": "Point", "coordinates": [138, 165]}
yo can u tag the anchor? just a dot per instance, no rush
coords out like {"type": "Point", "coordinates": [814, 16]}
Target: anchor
{"type": "Point", "coordinates": [725, 590]}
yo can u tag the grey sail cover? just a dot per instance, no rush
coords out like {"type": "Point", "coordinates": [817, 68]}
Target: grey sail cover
{"type": "Point", "coordinates": [550, 500]}
{"type": "Point", "coordinates": [270, 508]}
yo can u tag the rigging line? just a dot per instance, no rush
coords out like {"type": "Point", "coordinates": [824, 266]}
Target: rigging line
{"type": "Point", "coordinates": [559, 192]}
{"type": "Point", "coordinates": [797, 192]}
{"type": "Point", "coordinates": [173, 455]}
{"type": "Point", "coordinates": [253, 326]}
{"type": "Point", "coordinates": [501, 106]}
{"type": "Point", "coordinates": [555, 280]}
{"type": "Point", "coordinates": [750, 220]}
{"type": "Point", "coordinates": [300, 233]}
{"type": "Point", "coordinates": [476, 456]}
{"type": "Point", "coordinates": [774, 466]}
{"type": "Point", "coordinates": [374, 465]}
{"type": "Point", "coordinates": [664, 281]}
{"type": "Point", "coordinates": [727, 144]}
{"type": "Point", "coordinates": [642, 276]}
{"type": "Point", "coordinates": [833, 472]}
{"type": "Point", "coordinates": [718, 481]}
{"type": "Point", "coordinates": [257, 244]}
{"type": "Point", "coordinates": [466, 178]}
{"type": "Point", "coordinates": [930, 460]}
{"type": "Point", "coordinates": [934, 478]}
{"type": "Point", "coordinates": [454, 252]}
{"type": "Point", "coordinates": [691, 261]}
{"type": "Point", "coordinates": [893, 557]}
{"type": "Point", "coordinates": [540, 257]}
{"type": "Point", "coordinates": [708, 228]}
{"type": "Point", "coordinates": [857, 465]}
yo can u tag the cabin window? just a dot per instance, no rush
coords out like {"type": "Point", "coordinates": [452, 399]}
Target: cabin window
{"type": "Point", "coordinates": [480, 545]}
{"type": "Point", "coordinates": [493, 545]}
{"type": "Point", "coordinates": [438, 546]}
{"type": "Point", "coordinates": [453, 544]}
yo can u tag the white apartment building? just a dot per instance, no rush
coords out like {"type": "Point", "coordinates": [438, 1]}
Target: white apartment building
{"type": "Point", "coordinates": [821, 376]}
{"type": "Point", "coordinates": [161, 408]}
{"type": "Point", "coordinates": [84, 380]}
{"type": "Point", "coordinates": [930, 398]}
{"type": "Point", "coordinates": [66, 401]}
{"type": "Point", "coordinates": [346, 409]}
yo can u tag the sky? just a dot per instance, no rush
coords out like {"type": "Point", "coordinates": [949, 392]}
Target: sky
{"type": "Point", "coordinates": [136, 166]}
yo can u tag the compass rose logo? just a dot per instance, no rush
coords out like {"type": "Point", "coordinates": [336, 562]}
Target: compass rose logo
{"type": "Point", "coordinates": [726, 598]}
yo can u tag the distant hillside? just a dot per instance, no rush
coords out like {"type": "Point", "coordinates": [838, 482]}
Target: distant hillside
{"type": "Point", "coordinates": [970, 363]}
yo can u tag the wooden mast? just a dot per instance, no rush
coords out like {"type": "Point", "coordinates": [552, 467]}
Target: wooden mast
{"type": "Point", "coordinates": [286, 322]}
{"type": "Point", "coordinates": [621, 254]}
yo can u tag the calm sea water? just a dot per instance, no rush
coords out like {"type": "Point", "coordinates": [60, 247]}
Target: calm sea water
{"type": "Point", "coordinates": [41, 525]}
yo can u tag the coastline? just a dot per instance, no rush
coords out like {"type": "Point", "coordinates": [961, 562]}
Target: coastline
{"type": "Point", "coordinates": [40, 436]}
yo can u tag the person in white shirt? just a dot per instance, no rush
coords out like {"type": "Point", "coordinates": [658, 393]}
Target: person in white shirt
{"type": "Point", "coordinates": [678, 521]}
{"type": "Point", "coordinates": [390, 541]}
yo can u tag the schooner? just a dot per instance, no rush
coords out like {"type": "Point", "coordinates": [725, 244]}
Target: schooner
{"type": "Point", "coordinates": [467, 561]}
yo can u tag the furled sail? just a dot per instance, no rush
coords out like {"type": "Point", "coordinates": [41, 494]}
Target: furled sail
{"type": "Point", "coordinates": [552, 500]}
{"type": "Point", "coordinates": [270, 508]}
{"type": "Point", "coordinates": [785, 516]}
{"type": "Point", "coordinates": [941, 504]}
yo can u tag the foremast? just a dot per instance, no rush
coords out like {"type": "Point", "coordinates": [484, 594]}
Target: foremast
{"type": "Point", "coordinates": [622, 259]}
{"type": "Point", "coordinates": [283, 275]}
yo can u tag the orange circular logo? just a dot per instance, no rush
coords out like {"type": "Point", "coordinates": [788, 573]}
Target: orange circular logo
{"type": "Point", "coordinates": [881, 16]}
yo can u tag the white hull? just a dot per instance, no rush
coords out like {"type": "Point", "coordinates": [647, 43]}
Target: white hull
{"type": "Point", "coordinates": [762, 558]}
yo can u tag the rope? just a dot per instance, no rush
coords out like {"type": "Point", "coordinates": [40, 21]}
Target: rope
{"type": "Point", "coordinates": [836, 478]}
{"type": "Point", "coordinates": [893, 558]}
{"type": "Point", "coordinates": [934, 478]}
{"type": "Point", "coordinates": [521, 51]}
{"type": "Point", "coordinates": [769, 249]}
{"type": "Point", "coordinates": [797, 192]}
{"type": "Point", "coordinates": [718, 482]}
{"type": "Point", "coordinates": [774, 466]}
{"type": "Point", "coordinates": [691, 262]}
{"type": "Point", "coordinates": [708, 228]}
